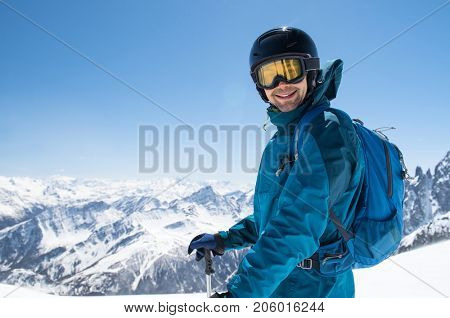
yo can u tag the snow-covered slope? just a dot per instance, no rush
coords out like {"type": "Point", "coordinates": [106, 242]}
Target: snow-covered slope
{"type": "Point", "coordinates": [12, 291]}
{"type": "Point", "coordinates": [436, 230]}
{"type": "Point", "coordinates": [419, 273]}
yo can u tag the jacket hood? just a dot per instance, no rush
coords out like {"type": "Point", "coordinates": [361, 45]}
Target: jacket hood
{"type": "Point", "coordinates": [328, 81]}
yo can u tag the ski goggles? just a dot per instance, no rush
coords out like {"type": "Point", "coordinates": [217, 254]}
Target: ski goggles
{"type": "Point", "coordinates": [289, 69]}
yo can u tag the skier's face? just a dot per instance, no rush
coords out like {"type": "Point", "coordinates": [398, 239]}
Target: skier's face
{"type": "Point", "coordinates": [287, 97]}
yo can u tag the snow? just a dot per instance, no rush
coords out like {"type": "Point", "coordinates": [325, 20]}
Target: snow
{"type": "Point", "coordinates": [423, 272]}
{"type": "Point", "coordinates": [12, 291]}
{"type": "Point", "coordinates": [437, 226]}
{"type": "Point", "coordinates": [65, 236]}
{"type": "Point", "coordinates": [419, 273]}
{"type": "Point", "coordinates": [410, 238]}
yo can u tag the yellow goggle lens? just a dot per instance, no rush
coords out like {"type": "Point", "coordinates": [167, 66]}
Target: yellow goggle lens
{"type": "Point", "coordinates": [288, 68]}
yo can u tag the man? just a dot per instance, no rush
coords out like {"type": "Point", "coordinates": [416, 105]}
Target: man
{"type": "Point", "coordinates": [298, 198]}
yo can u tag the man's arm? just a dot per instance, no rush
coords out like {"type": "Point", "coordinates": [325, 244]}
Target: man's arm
{"type": "Point", "coordinates": [240, 235]}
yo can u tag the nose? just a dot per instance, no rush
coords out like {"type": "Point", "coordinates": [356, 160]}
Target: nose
{"type": "Point", "coordinates": [282, 85]}
{"type": "Point", "coordinates": [280, 82]}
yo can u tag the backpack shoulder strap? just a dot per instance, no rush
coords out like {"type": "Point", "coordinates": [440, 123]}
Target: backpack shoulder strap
{"type": "Point", "coordinates": [304, 121]}
{"type": "Point", "coordinates": [301, 126]}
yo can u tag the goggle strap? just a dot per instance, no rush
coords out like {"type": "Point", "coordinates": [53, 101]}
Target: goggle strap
{"type": "Point", "coordinates": [312, 63]}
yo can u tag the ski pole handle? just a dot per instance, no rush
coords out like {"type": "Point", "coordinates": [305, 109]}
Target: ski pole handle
{"type": "Point", "coordinates": [208, 262]}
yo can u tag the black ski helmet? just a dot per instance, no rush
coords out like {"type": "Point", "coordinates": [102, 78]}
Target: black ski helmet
{"type": "Point", "coordinates": [281, 41]}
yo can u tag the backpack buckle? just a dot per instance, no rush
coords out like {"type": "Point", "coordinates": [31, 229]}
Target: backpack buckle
{"type": "Point", "coordinates": [305, 264]}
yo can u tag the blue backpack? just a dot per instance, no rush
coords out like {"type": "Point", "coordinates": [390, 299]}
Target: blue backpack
{"type": "Point", "coordinates": [376, 231]}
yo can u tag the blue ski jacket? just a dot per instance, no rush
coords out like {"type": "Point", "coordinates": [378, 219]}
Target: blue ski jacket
{"type": "Point", "coordinates": [291, 202]}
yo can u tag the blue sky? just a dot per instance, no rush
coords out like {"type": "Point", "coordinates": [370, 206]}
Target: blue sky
{"type": "Point", "coordinates": [62, 115]}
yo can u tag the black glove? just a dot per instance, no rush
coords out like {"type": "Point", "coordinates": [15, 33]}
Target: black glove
{"type": "Point", "coordinates": [204, 241]}
{"type": "Point", "coordinates": [221, 295]}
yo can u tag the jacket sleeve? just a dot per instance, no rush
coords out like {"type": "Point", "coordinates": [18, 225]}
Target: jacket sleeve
{"type": "Point", "coordinates": [317, 178]}
{"type": "Point", "coordinates": [240, 235]}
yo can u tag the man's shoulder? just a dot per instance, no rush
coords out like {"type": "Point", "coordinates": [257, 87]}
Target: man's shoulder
{"type": "Point", "coordinates": [332, 121]}
{"type": "Point", "coordinates": [332, 118]}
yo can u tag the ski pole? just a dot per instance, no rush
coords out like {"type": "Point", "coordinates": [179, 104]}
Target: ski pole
{"type": "Point", "coordinates": [208, 271]}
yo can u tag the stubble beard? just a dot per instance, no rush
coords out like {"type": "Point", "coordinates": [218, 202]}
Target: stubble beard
{"type": "Point", "coordinates": [291, 104]}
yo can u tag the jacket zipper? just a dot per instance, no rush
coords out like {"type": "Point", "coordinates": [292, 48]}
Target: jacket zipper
{"type": "Point", "coordinates": [286, 160]}
{"type": "Point", "coordinates": [389, 169]}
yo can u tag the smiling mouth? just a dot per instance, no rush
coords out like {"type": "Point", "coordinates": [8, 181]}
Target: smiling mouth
{"type": "Point", "coordinates": [285, 96]}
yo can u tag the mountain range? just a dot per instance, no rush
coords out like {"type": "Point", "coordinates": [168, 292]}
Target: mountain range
{"type": "Point", "coordinates": [73, 236]}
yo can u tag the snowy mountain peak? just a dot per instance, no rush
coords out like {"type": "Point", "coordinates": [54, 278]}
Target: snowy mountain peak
{"type": "Point", "coordinates": [204, 195]}
{"type": "Point", "coordinates": [419, 172]}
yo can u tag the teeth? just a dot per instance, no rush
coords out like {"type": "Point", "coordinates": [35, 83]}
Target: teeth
{"type": "Point", "coordinates": [286, 95]}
